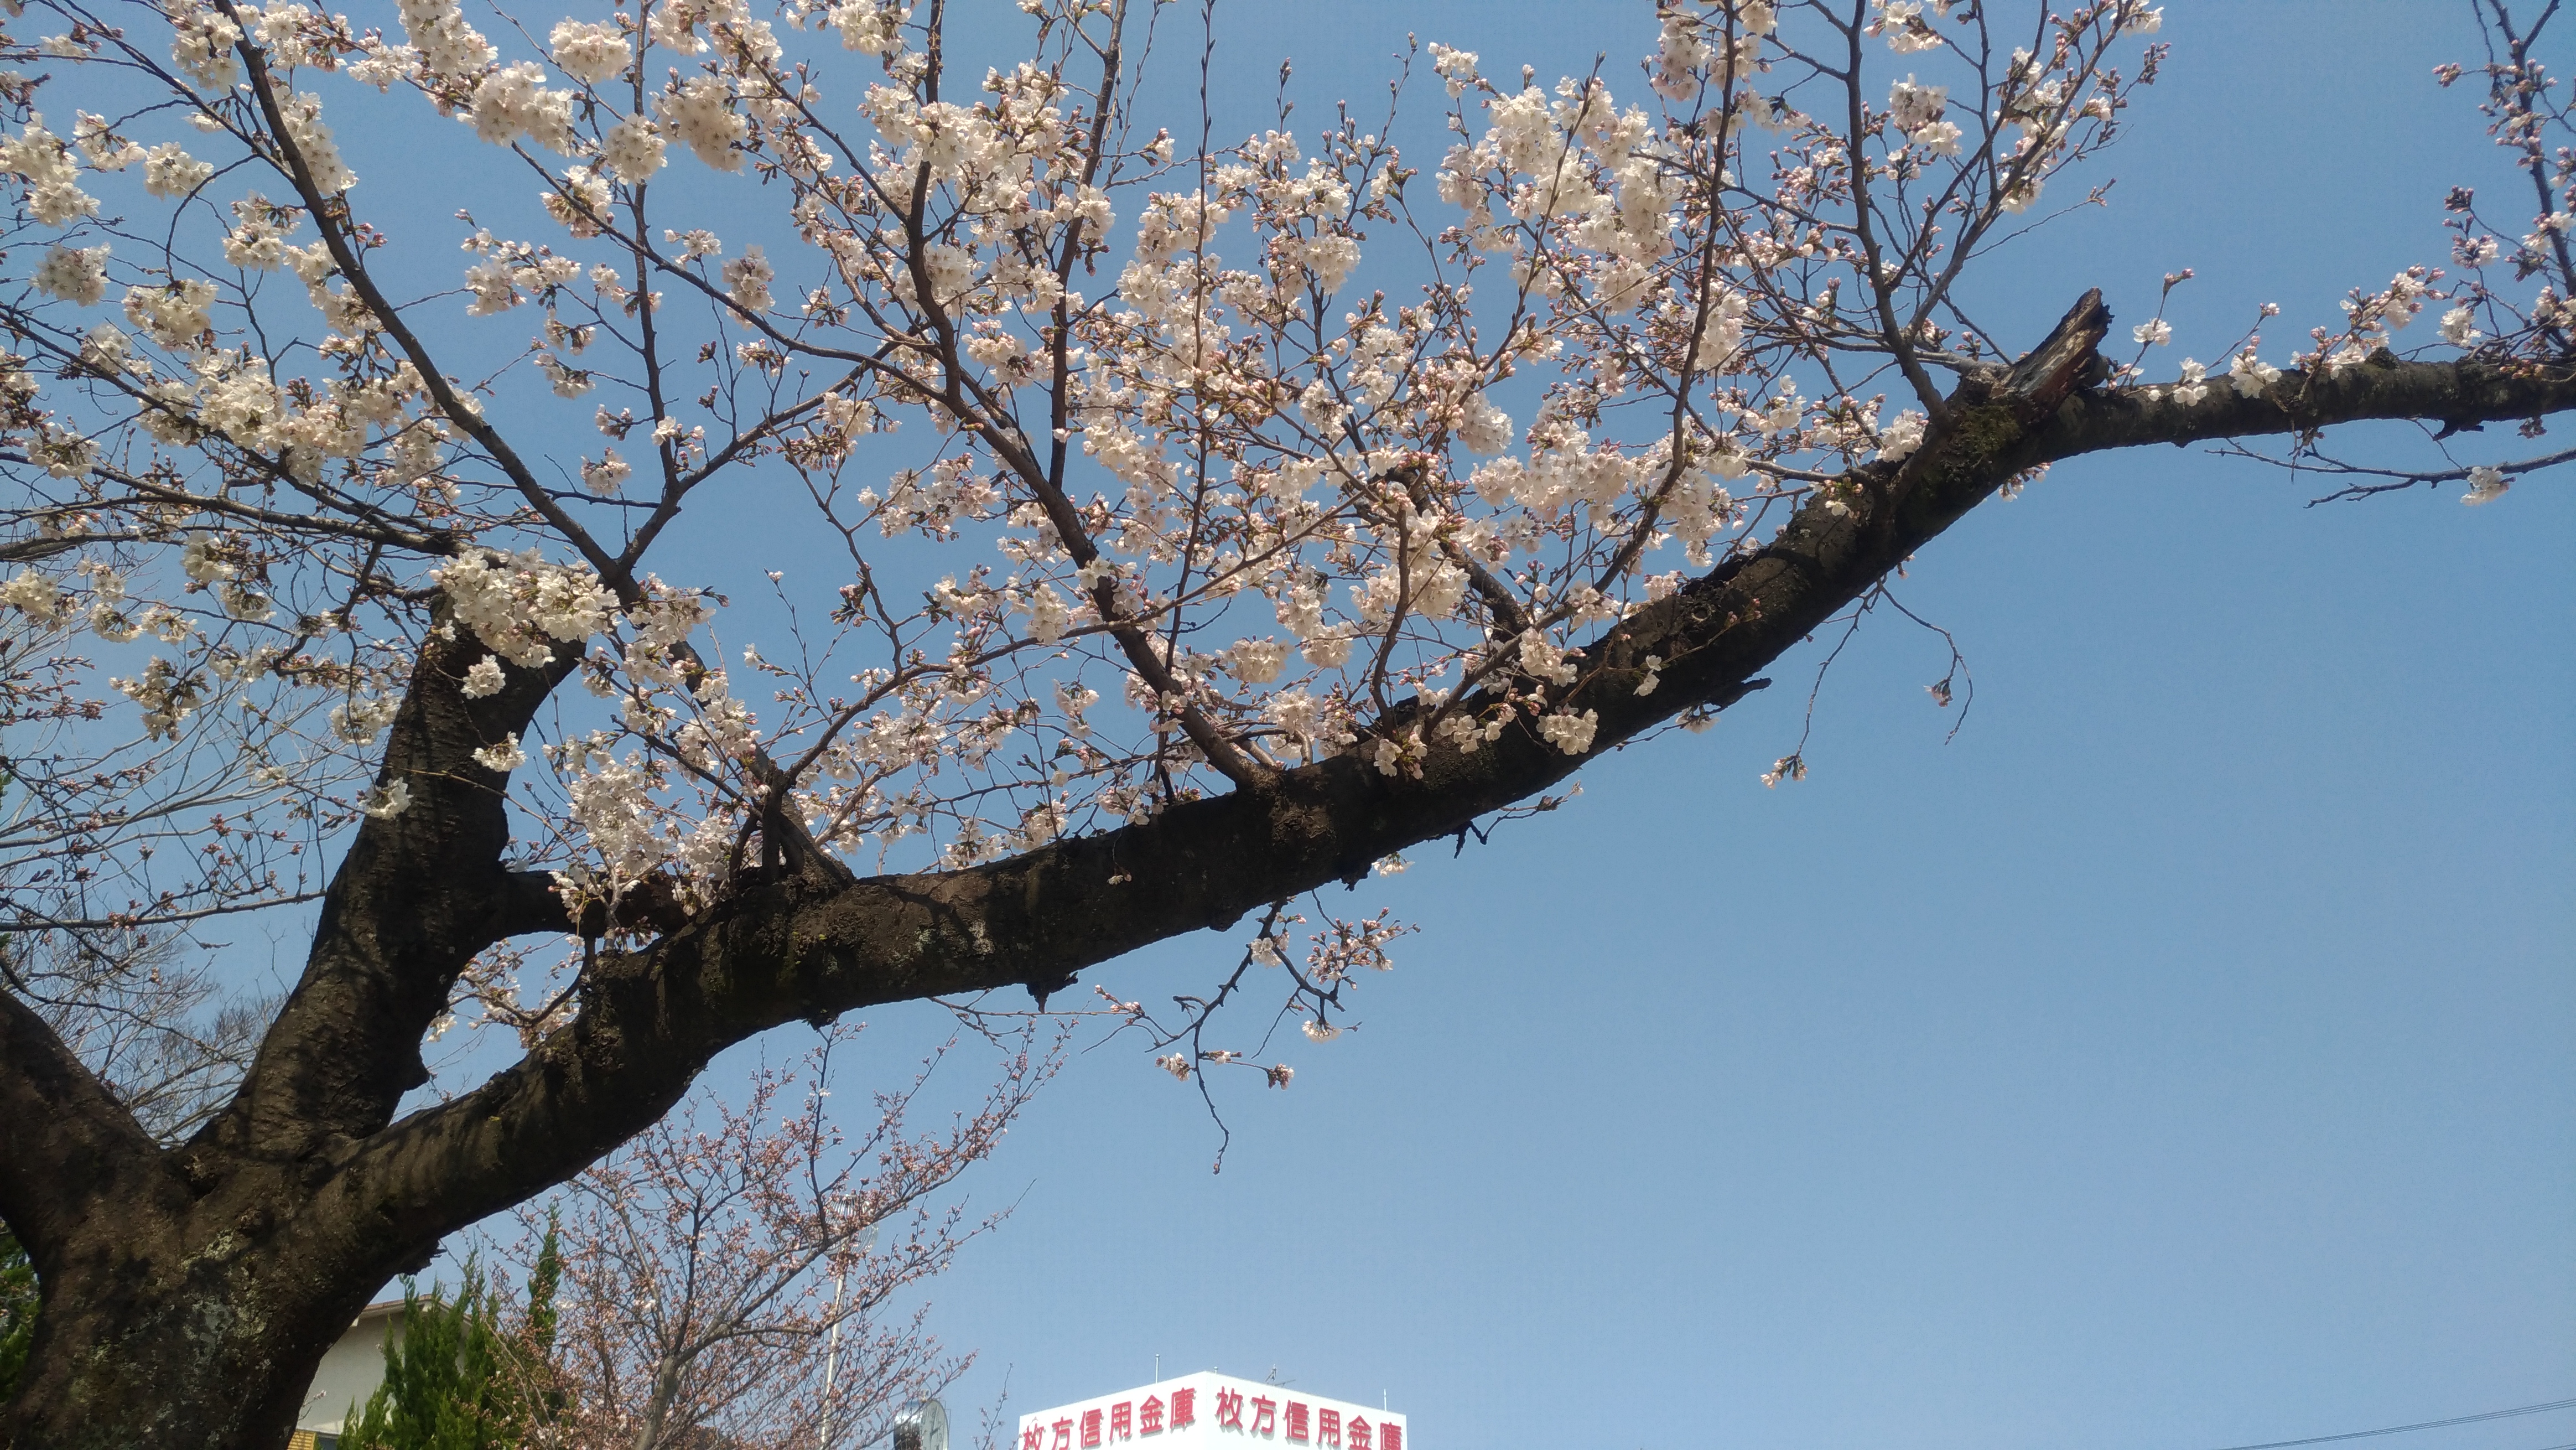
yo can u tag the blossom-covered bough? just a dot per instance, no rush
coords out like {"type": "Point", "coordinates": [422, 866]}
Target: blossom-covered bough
{"type": "Point", "coordinates": [1213, 524]}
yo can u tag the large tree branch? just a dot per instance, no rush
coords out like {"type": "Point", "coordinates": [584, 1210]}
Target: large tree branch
{"type": "Point", "coordinates": [416, 897]}
{"type": "Point", "coordinates": [72, 1145]}
{"type": "Point", "coordinates": [788, 947]}
{"type": "Point", "coordinates": [2459, 395]}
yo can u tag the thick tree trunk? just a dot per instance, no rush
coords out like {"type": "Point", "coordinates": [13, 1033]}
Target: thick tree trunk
{"type": "Point", "coordinates": [199, 1328]}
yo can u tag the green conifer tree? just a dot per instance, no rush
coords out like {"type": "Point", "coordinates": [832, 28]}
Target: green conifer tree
{"type": "Point", "coordinates": [446, 1383]}
{"type": "Point", "coordinates": [549, 1398]}
{"type": "Point", "coordinates": [17, 1310]}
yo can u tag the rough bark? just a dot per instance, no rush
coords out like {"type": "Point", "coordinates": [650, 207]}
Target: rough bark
{"type": "Point", "coordinates": [189, 1293]}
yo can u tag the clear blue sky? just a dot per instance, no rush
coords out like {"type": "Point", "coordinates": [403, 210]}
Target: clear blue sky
{"type": "Point", "coordinates": [2183, 1056]}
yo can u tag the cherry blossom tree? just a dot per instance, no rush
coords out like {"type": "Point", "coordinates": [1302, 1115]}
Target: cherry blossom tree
{"type": "Point", "coordinates": [1186, 567]}
{"type": "Point", "coordinates": [727, 1270]}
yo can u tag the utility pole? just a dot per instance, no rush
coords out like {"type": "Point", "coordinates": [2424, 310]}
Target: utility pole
{"type": "Point", "coordinates": [832, 1360]}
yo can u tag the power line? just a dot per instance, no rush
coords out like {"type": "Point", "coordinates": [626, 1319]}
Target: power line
{"type": "Point", "coordinates": [2425, 1425]}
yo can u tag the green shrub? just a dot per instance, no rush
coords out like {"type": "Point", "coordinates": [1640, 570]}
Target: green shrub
{"type": "Point", "coordinates": [453, 1378]}
{"type": "Point", "coordinates": [17, 1311]}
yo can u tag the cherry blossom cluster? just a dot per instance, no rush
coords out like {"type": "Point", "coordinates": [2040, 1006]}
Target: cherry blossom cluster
{"type": "Point", "coordinates": [1155, 472]}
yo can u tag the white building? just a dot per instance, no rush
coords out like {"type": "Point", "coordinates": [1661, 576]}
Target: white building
{"type": "Point", "coordinates": [350, 1372]}
{"type": "Point", "coordinates": [1213, 1411]}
